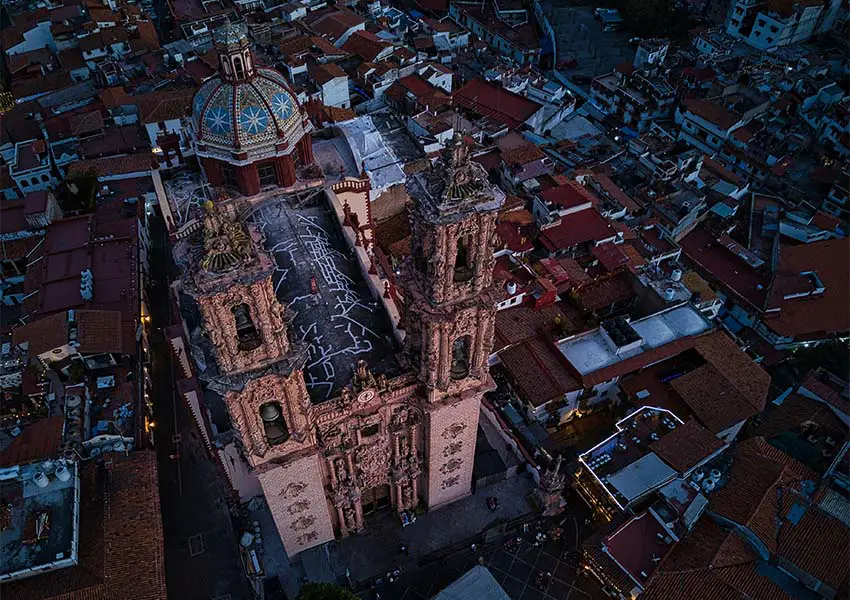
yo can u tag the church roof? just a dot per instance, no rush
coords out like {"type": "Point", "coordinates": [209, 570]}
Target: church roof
{"type": "Point", "coordinates": [247, 113]}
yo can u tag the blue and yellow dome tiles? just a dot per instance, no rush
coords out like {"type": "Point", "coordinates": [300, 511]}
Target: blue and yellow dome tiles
{"type": "Point", "coordinates": [245, 115]}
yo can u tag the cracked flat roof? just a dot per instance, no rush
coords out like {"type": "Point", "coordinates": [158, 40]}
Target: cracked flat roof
{"type": "Point", "coordinates": [329, 305]}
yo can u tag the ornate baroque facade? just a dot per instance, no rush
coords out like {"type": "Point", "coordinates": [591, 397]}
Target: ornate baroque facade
{"type": "Point", "coordinates": [403, 441]}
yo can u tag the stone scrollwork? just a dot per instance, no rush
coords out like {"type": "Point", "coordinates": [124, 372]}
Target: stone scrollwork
{"type": "Point", "coordinates": [302, 523]}
{"type": "Point", "coordinates": [297, 507]}
{"type": "Point", "coordinates": [452, 448]}
{"type": "Point", "coordinates": [454, 430]}
{"type": "Point", "coordinates": [373, 464]}
{"type": "Point", "coordinates": [451, 466]}
{"type": "Point", "coordinates": [293, 490]}
{"type": "Point", "coordinates": [306, 538]}
{"type": "Point", "coordinates": [450, 482]}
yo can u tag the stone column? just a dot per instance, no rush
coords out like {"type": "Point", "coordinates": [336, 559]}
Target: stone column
{"type": "Point", "coordinates": [287, 170]}
{"type": "Point", "coordinates": [305, 149]}
{"type": "Point", "coordinates": [248, 180]}
{"type": "Point", "coordinates": [213, 170]}
{"type": "Point", "coordinates": [342, 528]}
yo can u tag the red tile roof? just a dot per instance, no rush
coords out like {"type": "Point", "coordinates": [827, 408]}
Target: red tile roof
{"type": "Point", "coordinates": [638, 545]}
{"type": "Point", "coordinates": [516, 237]}
{"type": "Point", "coordinates": [569, 195]}
{"type": "Point", "coordinates": [157, 107]}
{"type": "Point", "coordinates": [577, 228]}
{"type": "Point", "coordinates": [38, 441]}
{"type": "Point", "coordinates": [687, 446]}
{"type": "Point", "coordinates": [754, 485]}
{"type": "Point", "coordinates": [610, 256]}
{"type": "Point", "coordinates": [112, 165]}
{"type": "Point", "coordinates": [719, 264]}
{"type": "Point", "coordinates": [43, 334]}
{"type": "Point", "coordinates": [736, 366]}
{"type": "Point", "coordinates": [604, 291]}
{"type": "Point", "coordinates": [121, 548]}
{"type": "Point", "coordinates": [729, 389]}
{"type": "Point", "coordinates": [335, 23]}
{"type": "Point", "coordinates": [494, 101]}
{"type": "Point", "coordinates": [711, 564]}
{"type": "Point", "coordinates": [426, 94]}
{"type": "Point", "coordinates": [322, 74]}
{"type": "Point", "coordinates": [536, 372]}
{"type": "Point", "coordinates": [365, 44]}
{"type": "Point", "coordinates": [820, 315]}
{"type": "Point", "coordinates": [99, 331]}
{"type": "Point", "coordinates": [711, 112]}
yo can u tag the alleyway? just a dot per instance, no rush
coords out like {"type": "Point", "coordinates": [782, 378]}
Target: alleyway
{"type": "Point", "coordinates": [201, 552]}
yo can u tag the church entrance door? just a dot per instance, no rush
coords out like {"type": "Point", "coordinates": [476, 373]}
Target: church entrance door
{"type": "Point", "coordinates": [375, 498]}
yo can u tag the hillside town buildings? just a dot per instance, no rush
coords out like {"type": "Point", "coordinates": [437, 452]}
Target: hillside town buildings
{"type": "Point", "coordinates": [349, 291]}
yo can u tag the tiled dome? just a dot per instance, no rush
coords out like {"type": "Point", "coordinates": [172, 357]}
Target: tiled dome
{"type": "Point", "coordinates": [246, 115]}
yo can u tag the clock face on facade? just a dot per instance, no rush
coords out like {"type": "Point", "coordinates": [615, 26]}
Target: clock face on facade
{"type": "Point", "coordinates": [365, 396]}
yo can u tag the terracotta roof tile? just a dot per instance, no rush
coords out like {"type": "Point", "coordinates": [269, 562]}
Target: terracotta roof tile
{"type": "Point", "coordinates": [536, 372]}
{"type": "Point", "coordinates": [820, 315]}
{"type": "Point", "coordinates": [687, 446]}
{"type": "Point", "coordinates": [754, 486]}
{"type": "Point", "coordinates": [157, 107]}
{"type": "Point", "coordinates": [736, 367]}
{"type": "Point", "coordinates": [121, 552]}
{"type": "Point", "coordinates": [111, 165]}
{"type": "Point", "coordinates": [711, 112]}
{"type": "Point", "coordinates": [43, 334]}
{"type": "Point", "coordinates": [99, 331]}
{"type": "Point", "coordinates": [38, 441]}
{"type": "Point", "coordinates": [494, 101]}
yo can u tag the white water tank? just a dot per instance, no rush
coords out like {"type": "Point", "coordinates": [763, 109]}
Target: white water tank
{"type": "Point", "coordinates": [676, 275]}
{"type": "Point", "coordinates": [669, 294]}
{"type": "Point", "coordinates": [511, 287]}
{"type": "Point", "coordinates": [714, 475]}
{"type": "Point", "coordinates": [41, 480]}
{"type": "Point", "coordinates": [708, 485]}
{"type": "Point", "coordinates": [62, 473]}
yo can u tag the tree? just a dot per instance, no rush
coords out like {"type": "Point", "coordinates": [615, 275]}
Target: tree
{"type": "Point", "coordinates": [325, 591]}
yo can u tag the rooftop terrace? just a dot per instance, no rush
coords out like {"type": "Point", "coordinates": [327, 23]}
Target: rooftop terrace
{"type": "Point", "coordinates": [624, 464]}
{"type": "Point", "coordinates": [39, 519]}
{"type": "Point", "coordinates": [596, 350]}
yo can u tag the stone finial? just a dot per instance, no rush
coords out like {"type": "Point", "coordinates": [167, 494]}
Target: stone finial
{"type": "Point", "coordinates": [226, 243]}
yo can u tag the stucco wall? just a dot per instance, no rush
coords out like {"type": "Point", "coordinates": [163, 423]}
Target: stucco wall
{"type": "Point", "coordinates": [297, 502]}
{"type": "Point", "coordinates": [451, 438]}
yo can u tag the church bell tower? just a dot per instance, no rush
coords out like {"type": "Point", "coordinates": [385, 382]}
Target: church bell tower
{"type": "Point", "coordinates": [452, 310]}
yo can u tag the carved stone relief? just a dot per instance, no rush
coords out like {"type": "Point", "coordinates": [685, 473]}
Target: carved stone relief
{"type": "Point", "coordinates": [453, 448]}
{"type": "Point", "coordinates": [451, 466]}
{"type": "Point", "coordinates": [293, 490]}
{"type": "Point", "coordinates": [454, 430]}
{"type": "Point", "coordinates": [297, 507]}
{"type": "Point", "coordinates": [306, 538]}
{"type": "Point", "coordinates": [302, 523]}
{"type": "Point", "coordinates": [450, 482]}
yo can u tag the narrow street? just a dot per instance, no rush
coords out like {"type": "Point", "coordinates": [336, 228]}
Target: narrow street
{"type": "Point", "coordinates": [201, 550]}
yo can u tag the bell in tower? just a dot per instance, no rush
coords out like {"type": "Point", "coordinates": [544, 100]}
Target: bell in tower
{"type": "Point", "coordinates": [452, 309]}
{"type": "Point", "coordinates": [454, 210]}
{"type": "Point", "coordinates": [234, 52]}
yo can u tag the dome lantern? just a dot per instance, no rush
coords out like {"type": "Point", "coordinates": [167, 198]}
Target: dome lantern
{"type": "Point", "coordinates": [234, 53]}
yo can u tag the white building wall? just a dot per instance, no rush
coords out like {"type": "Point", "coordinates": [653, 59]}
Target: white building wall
{"type": "Point", "coordinates": [335, 93]}
{"type": "Point", "coordinates": [38, 37]}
